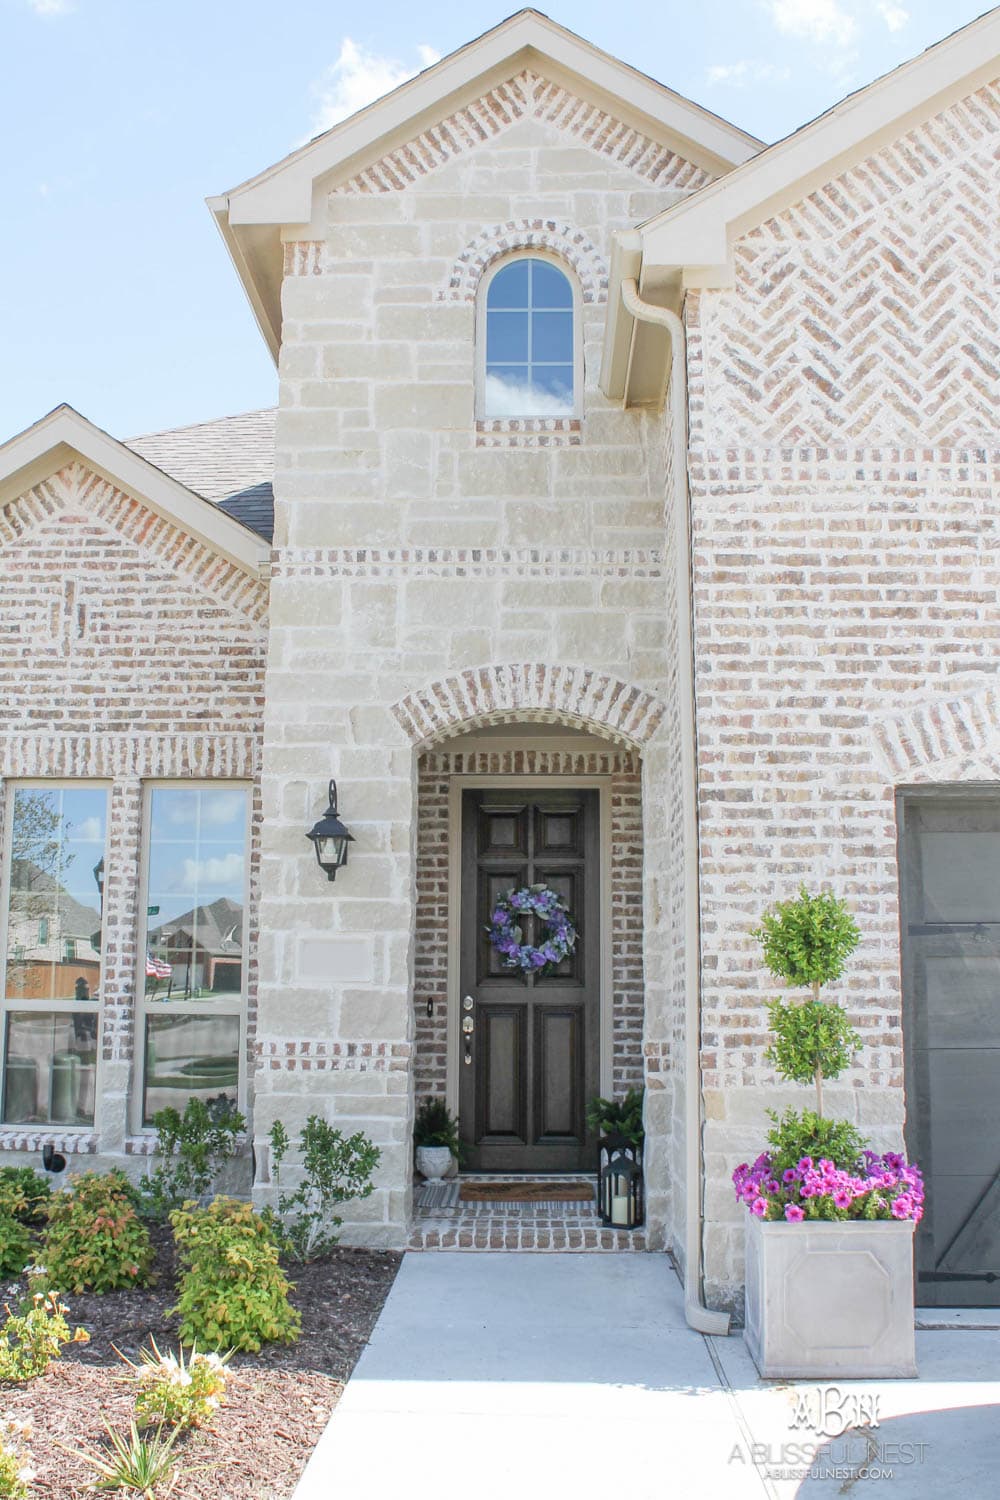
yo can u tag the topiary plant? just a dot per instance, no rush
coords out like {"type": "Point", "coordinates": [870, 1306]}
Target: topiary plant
{"type": "Point", "coordinates": [95, 1241]}
{"type": "Point", "coordinates": [808, 942]}
{"type": "Point", "coordinates": [618, 1117]}
{"type": "Point", "coordinates": [434, 1125]}
{"type": "Point", "coordinates": [233, 1293]}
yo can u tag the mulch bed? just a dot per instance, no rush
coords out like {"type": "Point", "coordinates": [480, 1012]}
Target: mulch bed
{"type": "Point", "coordinates": [277, 1402]}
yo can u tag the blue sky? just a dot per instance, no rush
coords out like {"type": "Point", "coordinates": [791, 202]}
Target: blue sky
{"type": "Point", "coordinates": [118, 118]}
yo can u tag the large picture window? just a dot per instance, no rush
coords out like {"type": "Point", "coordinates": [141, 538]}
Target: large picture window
{"type": "Point", "coordinates": [195, 950]}
{"type": "Point", "coordinates": [52, 914]}
{"type": "Point", "coordinates": [530, 342]}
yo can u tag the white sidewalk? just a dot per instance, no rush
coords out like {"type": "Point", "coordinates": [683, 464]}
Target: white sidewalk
{"type": "Point", "coordinates": [530, 1377]}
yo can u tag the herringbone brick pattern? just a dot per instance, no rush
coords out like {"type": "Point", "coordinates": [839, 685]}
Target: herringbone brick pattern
{"type": "Point", "coordinates": [867, 313]}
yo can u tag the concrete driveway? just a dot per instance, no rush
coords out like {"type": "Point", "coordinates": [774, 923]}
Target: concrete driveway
{"type": "Point", "coordinates": [502, 1375]}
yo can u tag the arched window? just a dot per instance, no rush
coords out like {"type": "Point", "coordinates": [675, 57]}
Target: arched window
{"type": "Point", "coordinates": [528, 334]}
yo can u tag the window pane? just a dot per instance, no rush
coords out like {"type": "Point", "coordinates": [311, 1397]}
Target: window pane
{"type": "Point", "coordinates": [50, 1068]}
{"type": "Point", "coordinates": [553, 387]}
{"type": "Point", "coordinates": [506, 337]}
{"type": "Point", "coordinates": [190, 1057]}
{"type": "Point", "coordinates": [552, 337]}
{"type": "Point", "coordinates": [54, 910]}
{"type": "Point", "coordinates": [509, 287]}
{"type": "Point", "coordinates": [197, 852]}
{"type": "Point", "coordinates": [549, 287]}
{"type": "Point", "coordinates": [508, 392]}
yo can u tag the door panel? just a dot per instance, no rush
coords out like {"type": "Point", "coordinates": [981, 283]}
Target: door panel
{"type": "Point", "coordinates": [950, 886]}
{"type": "Point", "coordinates": [532, 1059]}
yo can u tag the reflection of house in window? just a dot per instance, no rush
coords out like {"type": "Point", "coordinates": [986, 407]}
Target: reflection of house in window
{"type": "Point", "coordinates": [204, 949]}
{"type": "Point", "coordinates": [49, 938]}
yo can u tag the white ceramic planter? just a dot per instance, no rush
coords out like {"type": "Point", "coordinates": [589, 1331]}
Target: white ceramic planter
{"type": "Point", "coordinates": [829, 1300]}
{"type": "Point", "coordinates": [433, 1162]}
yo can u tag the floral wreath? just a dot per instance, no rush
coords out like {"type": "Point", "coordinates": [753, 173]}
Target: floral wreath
{"type": "Point", "coordinates": [505, 931]}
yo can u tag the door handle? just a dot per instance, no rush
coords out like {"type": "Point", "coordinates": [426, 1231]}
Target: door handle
{"type": "Point", "coordinates": [468, 1027]}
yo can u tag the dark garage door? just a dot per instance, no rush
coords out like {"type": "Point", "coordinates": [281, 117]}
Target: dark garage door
{"type": "Point", "coordinates": [950, 887]}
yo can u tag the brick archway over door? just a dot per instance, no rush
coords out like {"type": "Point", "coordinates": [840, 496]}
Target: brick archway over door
{"type": "Point", "coordinates": [563, 695]}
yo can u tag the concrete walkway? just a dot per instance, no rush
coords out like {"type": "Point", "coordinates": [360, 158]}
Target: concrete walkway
{"type": "Point", "coordinates": [530, 1377]}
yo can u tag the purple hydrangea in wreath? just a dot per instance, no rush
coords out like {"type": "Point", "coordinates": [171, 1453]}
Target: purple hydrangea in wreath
{"type": "Point", "coordinates": [506, 934]}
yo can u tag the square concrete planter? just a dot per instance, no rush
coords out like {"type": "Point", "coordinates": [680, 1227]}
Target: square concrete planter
{"type": "Point", "coordinates": [829, 1300]}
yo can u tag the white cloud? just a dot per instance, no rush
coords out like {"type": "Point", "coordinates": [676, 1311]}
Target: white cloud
{"type": "Point", "coordinates": [51, 7]}
{"type": "Point", "coordinates": [504, 399]}
{"type": "Point", "coordinates": [358, 77]}
{"type": "Point", "coordinates": [214, 809]}
{"type": "Point", "coordinates": [746, 71]}
{"type": "Point", "coordinates": [813, 20]}
{"type": "Point", "coordinates": [89, 831]}
{"type": "Point", "coordinates": [227, 870]}
{"type": "Point", "coordinates": [894, 16]}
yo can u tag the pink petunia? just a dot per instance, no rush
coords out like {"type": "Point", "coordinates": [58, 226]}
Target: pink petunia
{"type": "Point", "coordinates": [759, 1207]}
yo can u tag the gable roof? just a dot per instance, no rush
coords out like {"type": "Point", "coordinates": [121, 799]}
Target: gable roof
{"type": "Point", "coordinates": [690, 243]}
{"type": "Point", "coordinates": [62, 435]}
{"type": "Point", "coordinates": [250, 217]}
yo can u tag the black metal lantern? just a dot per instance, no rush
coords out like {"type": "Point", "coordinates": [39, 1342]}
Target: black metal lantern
{"type": "Point", "coordinates": [619, 1187]}
{"type": "Point", "coordinates": [330, 838]}
{"type": "Point", "coordinates": [99, 880]}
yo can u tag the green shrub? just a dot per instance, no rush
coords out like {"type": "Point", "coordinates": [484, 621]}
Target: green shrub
{"type": "Point", "coordinates": [193, 1148]}
{"type": "Point", "coordinates": [16, 1245]}
{"type": "Point", "coordinates": [618, 1117]}
{"type": "Point", "coordinates": [233, 1293]}
{"type": "Point", "coordinates": [434, 1125]}
{"type": "Point", "coordinates": [808, 942]}
{"type": "Point", "coordinates": [95, 1241]}
{"type": "Point", "coordinates": [794, 1136]}
{"type": "Point", "coordinates": [176, 1392]}
{"type": "Point", "coordinates": [30, 1340]}
{"type": "Point", "coordinates": [334, 1170]}
{"type": "Point", "coordinates": [24, 1194]}
{"type": "Point", "coordinates": [810, 1036]}
{"type": "Point", "coordinates": [16, 1472]}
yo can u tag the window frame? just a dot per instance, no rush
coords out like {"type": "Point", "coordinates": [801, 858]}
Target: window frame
{"type": "Point", "coordinates": [43, 1007]}
{"type": "Point", "coordinates": [482, 296]}
{"type": "Point", "coordinates": [234, 1003]}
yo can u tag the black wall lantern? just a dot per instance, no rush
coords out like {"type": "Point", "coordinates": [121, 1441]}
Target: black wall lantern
{"type": "Point", "coordinates": [330, 838]}
{"type": "Point", "coordinates": [619, 1187]}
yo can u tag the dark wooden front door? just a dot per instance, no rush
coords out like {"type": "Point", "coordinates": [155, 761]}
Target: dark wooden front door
{"type": "Point", "coordinates": [530, 1061]}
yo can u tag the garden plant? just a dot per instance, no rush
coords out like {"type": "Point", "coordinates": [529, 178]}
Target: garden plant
{"type": "Point", "coordinates": [192, 1148]}
{"type": "Point", "coordinates": [95, 1240]}
{"type": "Point", "coordinates": [618, 1117]}
{"type": "Point", "coordinates": [334, 1170]}
{"type": "Point", "coordinates": [435, 1125]}
{"type": "Point", "coordinates": [814, 1167]}
{"type": "Point", "coordinates": [32, 1338]}
{"type": "Point", "coordinates": [233, 1293]}
{"type": "Point", "coordinates": [178, 1392]}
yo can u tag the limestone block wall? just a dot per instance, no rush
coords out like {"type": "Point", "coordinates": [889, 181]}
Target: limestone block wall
{"type": "Point", "coordinates": [128, 653]}
{"type": "Point", "coordinates": [516, 565]}
{"type": "Point", "coordinates": [844, 465]}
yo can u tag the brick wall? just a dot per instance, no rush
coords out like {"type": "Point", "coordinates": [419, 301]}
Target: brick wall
{"type": "Point", "coordinates": [844, 466]}
{"type": "Point", "coordinates": [128, 652]}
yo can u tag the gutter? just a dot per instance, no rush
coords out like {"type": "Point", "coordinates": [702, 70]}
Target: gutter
{"type": "Point", "coordinates": [699, 1317]}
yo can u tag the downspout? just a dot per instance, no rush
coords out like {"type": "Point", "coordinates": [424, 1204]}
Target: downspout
{"type": "Point", "coordinates": [700, 1317]}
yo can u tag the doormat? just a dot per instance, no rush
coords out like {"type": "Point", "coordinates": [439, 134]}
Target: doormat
{"type": "Point", "coordinates": [526, 1192]}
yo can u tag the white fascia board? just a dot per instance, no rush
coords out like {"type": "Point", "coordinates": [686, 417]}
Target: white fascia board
{"type": "Point", "coordinates": [43, 449]}
{"type": "Point", "coordinates": [283, 193]}
{"type": "Point", "coordinates": [699, 231]}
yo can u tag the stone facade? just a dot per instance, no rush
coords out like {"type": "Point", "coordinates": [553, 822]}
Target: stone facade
{"type": "Point", "coordinates": [409, 552]}
{"type": "Point", "coordinates": [130, 654]}
{"type": "Point", "coordinates": [844, 500]}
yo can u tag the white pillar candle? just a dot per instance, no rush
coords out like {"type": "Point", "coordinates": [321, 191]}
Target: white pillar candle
{"type": "Point", "coordinates": [619, 1208]}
